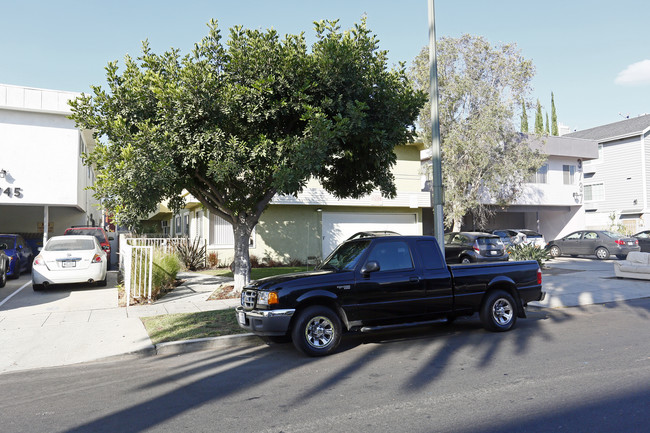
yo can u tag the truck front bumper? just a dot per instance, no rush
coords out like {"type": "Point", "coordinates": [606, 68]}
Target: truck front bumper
{"type": "Point", "coordinates": [265, 322]}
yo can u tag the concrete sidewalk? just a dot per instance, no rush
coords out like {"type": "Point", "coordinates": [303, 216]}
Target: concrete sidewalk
{"type": "Point", "coordinates": [74, 324]}
{"type": "Point", "coordinates": [68, 326]}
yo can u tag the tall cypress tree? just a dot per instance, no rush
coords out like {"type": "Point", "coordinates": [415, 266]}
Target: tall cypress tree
{"type": "Point", "coordinates": [554, 130]}
{"type": "Point", "coordinates": [539, 120]}
{"type": "Point", "coordinates": [524, 118]}
{"type": "Point", "coordinates": [546, 125]}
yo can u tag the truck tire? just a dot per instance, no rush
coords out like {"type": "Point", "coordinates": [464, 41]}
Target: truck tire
{"type": "Point", "coordinates": [602, 253]}
{"type": "Point", "coordinates": [317, 331]}
{"type": "Point", "coordinates": [499, 311]}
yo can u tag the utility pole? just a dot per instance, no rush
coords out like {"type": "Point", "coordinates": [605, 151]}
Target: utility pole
{"type": "Point", "coordinates": [436, 165]}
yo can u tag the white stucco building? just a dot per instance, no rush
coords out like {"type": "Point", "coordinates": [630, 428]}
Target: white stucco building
{"type": "Point", "coordinates": [43, 183]}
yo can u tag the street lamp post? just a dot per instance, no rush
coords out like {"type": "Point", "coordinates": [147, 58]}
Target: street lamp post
{"type": "Point", "coordinates": [436, 165]}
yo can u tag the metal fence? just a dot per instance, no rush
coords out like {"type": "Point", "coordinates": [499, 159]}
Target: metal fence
{"type": "Point", "coordinates": [136, 262]}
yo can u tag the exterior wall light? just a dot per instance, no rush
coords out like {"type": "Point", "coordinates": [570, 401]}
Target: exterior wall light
{"type": "Point", "coordinates": [3, 173]}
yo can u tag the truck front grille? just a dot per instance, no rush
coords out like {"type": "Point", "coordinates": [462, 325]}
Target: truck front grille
{"type": "Point", "coordinates": [248, 298]}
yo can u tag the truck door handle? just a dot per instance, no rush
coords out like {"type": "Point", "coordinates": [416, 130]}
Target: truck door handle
{"type": "Point", "coordinates": [414, 279]}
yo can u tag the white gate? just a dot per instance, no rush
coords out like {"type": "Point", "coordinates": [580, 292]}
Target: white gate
{"type": "Point", "coordinates": [136, 262]}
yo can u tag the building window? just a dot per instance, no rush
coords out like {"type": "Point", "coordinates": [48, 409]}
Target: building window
{"type": "Point", "coordinates": [186, 224]}
{"type": "Point", "coordinates": [540, 176]}
{"type": "Point", "coordinates": [595, 192]}
{"type": "Point", "coordinates": [569, 172]}
{"type": "Point", "coordinates": [221, 234]}
{"type": "Point", "coordinates": [165, 228]}
{"type": "Point", "coordinates": [177, 225]}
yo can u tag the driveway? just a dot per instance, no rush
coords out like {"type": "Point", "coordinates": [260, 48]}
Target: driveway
{"type": "Point", "coordinates": [64, 325]}
{"type": "Point", "coordinates": [571, 282]}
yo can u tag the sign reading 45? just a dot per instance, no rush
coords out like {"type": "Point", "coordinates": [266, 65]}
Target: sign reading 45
{"type": "Point", "coordinates": [12, 192]}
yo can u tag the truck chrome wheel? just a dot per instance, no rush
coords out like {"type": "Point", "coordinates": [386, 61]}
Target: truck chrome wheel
{"type": "Point", "coordinates": [319, 332]}
{"type": "Point", "coordinates": [316, 331]}
{"type": "Point", "coordinates": [502, 312]}
{"type": "Point", "coordinates": [499, 311]}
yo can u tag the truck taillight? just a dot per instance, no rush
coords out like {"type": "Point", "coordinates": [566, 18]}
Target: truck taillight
{"type": "Point", "coordinates": [539, 276]}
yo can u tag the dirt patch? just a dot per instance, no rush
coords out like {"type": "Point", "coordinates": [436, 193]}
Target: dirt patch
{"type": "Point", "coordinates": [227, 291]}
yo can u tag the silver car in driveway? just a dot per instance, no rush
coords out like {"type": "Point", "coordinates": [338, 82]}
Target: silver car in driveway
{"type": "Point", "coordinates": [69, 259]}
{"type": "Point", "coordinates": [601, 243]}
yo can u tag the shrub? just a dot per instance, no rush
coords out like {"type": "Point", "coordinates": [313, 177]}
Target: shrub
{"type": "Point", "coordinates": [192, 254]}
{"type": "Point", "coordinates": [213, 260]}
{"type": "Point", "coordinates": [529, 252]}
{"type": "Point", "coordinates": [165, 269]}
{"type": "Point", "coordinates": [255, 261]}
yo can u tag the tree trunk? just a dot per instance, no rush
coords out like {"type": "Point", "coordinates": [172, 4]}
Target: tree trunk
{"type": "Point", "coordinates": [242, 263]}
{"type": "Point", "coordinates": [457, 225]}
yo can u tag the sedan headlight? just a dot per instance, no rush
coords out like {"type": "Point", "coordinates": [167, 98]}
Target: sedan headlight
{"type": "Point", "coordinates": [267, 298]}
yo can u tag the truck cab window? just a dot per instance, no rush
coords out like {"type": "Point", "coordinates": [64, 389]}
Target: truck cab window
{"type": "Point", "coordinates": [391, 256]}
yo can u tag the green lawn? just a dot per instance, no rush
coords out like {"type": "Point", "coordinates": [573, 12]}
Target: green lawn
{"type": "Point", "coordinates": [176, 327]}
{"type": "Point", "coordinates": [188, 326]}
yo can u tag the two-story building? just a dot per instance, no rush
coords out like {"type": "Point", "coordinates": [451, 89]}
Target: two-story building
{"type": "Point", "coordinates": [309, 226]}
{"type": "Point", "coordinates": [551, 201]}
{"type": "Point", "coordinates": [43, 182]}
{"type": "Point", "coordinates": [617, 183]}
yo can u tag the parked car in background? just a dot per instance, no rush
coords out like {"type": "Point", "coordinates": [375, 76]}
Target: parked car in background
{"type": "Point", "coordinates": [520, 236]}
{"type": "Point", "coordinates": [474, 247]}
{"type": "Point", "coordinates": [644, 240]}
{"type": "Point", "coordinates": [601, 243]}
{"type": "Point", "coordinates": [70, 259]}
{"type": "Point", "coordinates": [4, 264]}
{"type": "Point", "coordinates": [19, 253]}
{"type": "Point", "coordinates": [99, 233]}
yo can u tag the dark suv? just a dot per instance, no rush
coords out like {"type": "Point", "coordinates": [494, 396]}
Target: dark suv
{"type": "Point", "coordinates": [99, 233]}
{"type": "Point", "coordinates": [473, 247]}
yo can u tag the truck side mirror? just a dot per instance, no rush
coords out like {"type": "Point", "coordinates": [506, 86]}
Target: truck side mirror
{"type": "Point", "coordinates": [369, 267]}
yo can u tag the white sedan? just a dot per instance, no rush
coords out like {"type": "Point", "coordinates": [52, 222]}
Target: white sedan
{"type": "Point", "coordinates": [69, 259]}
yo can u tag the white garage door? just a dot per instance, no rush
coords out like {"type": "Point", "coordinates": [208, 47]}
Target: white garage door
{"type": "Point", "coordinates": [338, 226]}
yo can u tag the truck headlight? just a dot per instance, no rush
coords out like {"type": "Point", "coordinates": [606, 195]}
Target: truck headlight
{"type": "Point", "coordinates": [267, 298]}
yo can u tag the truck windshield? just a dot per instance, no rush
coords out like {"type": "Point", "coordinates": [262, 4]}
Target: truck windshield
{"type": "Point", "coordinates": [345, 257]}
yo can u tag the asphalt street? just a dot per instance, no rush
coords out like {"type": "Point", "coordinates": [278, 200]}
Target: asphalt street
{"type": "Point", "coordinates": [582, 369]}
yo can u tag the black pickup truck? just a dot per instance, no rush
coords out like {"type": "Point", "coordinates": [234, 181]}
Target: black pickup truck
{"type": "Point", "coordinates": [380, 282]}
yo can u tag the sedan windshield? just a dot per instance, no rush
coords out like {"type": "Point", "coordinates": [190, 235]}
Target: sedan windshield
{"type": "Point", "coordinates": [345, 257]}
{"type": "Point", "coordinates": [69, 245]}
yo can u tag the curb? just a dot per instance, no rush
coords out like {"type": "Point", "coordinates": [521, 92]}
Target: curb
{"type": "Point", "coordinates": [185, 346]}
{"type": "Point", "coordinates": [226, 341]}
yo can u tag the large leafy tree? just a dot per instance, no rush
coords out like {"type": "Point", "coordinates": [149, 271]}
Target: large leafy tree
{"type": "Point", "coordinates": [484, 159]}
{"type": "Point", "coordinates": [237, 124]}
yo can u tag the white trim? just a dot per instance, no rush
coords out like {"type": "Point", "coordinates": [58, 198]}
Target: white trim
{"type": "Point", "coordinates": [320, 197]}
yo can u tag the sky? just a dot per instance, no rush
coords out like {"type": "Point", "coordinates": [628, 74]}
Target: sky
{"type": "Point", "coordinates": [594, 55]}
